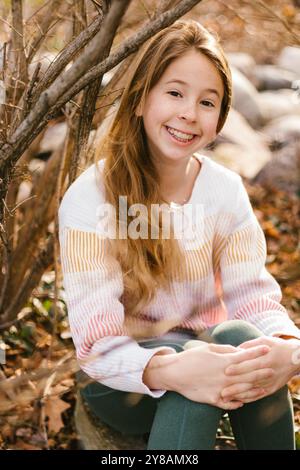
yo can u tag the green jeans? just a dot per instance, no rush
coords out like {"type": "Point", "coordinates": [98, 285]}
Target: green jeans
{"type": "Point", "coordinates": [175, 422]}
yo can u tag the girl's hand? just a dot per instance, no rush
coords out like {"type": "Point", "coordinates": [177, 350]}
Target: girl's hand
{"type": "Point", "coordinates": [199, 371]}
{"type": "Point", "coordinates": [282, 362]}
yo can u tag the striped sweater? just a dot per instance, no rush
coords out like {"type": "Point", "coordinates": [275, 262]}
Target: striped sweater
{"type": "Point", "coordinates": [226, 277]}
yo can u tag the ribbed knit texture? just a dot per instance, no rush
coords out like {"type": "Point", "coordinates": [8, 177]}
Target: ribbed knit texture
{"type": "Point", "coordinates": [226, 277]}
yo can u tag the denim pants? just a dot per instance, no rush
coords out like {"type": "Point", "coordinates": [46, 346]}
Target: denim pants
{"type": "Point", "coordinates": [173, 422]}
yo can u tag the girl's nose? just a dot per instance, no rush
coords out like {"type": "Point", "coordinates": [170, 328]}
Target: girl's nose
{"type": "Point", "coordinates": [189, 114]}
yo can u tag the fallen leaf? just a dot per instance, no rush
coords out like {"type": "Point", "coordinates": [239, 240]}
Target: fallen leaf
{"type": "Point", "coordinates": [54, 407]}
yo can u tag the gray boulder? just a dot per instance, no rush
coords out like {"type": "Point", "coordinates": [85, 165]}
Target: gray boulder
{"type": "Point", "coordinates": [272, 77]}
{"type": "Point", "coordinates": [243, 62]}
{"type": "Point", "coordinates": [240, 148]}
{"type": "Point", "coordinates": [95, 435]}
{"type": "Point", "coordinates": [274, 105]}
{"type": "Point", "coordinates": [283, 171]}
{"type": "Point", "coordinates": [283, 130]}
{"type": "Point", "coordinates": [289, 59]}
{"type": "Point", "coordinates": [245, 99]}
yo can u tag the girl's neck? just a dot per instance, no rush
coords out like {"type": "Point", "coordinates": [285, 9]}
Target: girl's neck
{"type": "Point", "coordinates": [177, 180]}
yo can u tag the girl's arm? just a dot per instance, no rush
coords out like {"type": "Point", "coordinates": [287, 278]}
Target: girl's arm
{"type": "Point", "coordinates": [250, 292]}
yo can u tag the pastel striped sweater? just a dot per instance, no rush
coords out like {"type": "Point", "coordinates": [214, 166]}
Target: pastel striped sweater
{"type": "Point", "coordinates": [226, 277]}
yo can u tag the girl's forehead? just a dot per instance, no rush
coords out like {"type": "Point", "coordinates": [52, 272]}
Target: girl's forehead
{"type": "Point", "coordinates": [193, 67]}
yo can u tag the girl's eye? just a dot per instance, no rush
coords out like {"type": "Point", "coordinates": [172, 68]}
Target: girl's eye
{"type": "Point", "coordinates": [208, 104]}
{"type": "Point", "coordinates": [174, 93]}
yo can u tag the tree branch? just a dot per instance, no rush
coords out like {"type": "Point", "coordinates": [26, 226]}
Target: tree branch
{"type": "Point", "coordinates": [45, 20]}
{"type": "Point", "coordinates": [68, 53]}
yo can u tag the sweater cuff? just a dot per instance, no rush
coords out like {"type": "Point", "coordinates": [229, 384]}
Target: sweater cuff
{"type": "Point", "coordinates": [274, 324]}
{"type": "Point", "coordinates": [119, 363]}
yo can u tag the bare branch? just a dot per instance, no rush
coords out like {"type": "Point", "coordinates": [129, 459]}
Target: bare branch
{"type": "Point", "coordinates": [67, 55]}
{"type": "Point", "coordinates": [11, 26]}
{"type": "Point", "coordinates": [44, 20]}
{"type": "Point", "coordinates": [42, 261]}
{"type": "Point", "coordinates": [18, 46]}
{"type": "Point", "coordinates": [280, 18]}
{"type": "Point", "coordinates": [85, 119]}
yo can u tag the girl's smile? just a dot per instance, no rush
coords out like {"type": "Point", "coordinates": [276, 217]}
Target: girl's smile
{"type": "Point", "coordinates": [182, 137]}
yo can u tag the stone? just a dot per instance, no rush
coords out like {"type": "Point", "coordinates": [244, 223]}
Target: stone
{"type": "Point", "coordinates": [52, 139]}
{"type": "Point", "coordinates": [240, 148]}
{"type": "Point", "coordinates": [244, 98]}
{"type": "Point", "coordinates": [242, 61]}
{"type": "Point", "coordinates": [95, 435]}
{"type": "Point", "coordinates": [272, 77]}
{"type": "Point", "coordinates": [274, 105]}
{"type": "Point", "coordinates": [283, 171]}
{"type": "Point", "coordinates": [283, 130]}
{"type": "Point", "coordinates": [289, 59]}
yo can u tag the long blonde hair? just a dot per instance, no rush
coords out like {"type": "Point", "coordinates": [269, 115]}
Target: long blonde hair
{"type": "Point", "coordinates": [129, 170]}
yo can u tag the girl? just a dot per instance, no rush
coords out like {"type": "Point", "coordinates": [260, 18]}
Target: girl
{"type": "Point", "coordinates": [192, 324]}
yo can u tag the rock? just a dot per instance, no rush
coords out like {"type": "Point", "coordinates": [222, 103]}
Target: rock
{"type": "Point", "coordinates": [283, 171]}
{"type": "Point", "coordinates": [289, 59]}
{"type": "Point", "coordinates": [52, 139]}
{"type": "Point", "coordinates": [36, 166]}
{"type": "Point", "coordinates": [274, 105]}
{"type": "Point", "coordinates": [242, 61]}
{"type": "Point", "coordinates": [45, 58]}
{"type": "Point", "coordinates": [271, 77]}
{"type": "Point", "coordinates": [24, 191]}
{"type": "Point", "coordinates": [244, 99]}
{"type": "Point", "coordinates": [240, 148]}
{"type": "Point", "coordinates": [95, 435]}
{"type": "Point", "coordinates": [240, 159]}
{"type": "Point", "coordinates": [283, 130]}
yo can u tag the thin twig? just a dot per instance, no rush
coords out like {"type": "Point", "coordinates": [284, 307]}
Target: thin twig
{"type": "Point", "coordinates": [11, 26]}
{"type": "Point", "coordinates": [279, 18]}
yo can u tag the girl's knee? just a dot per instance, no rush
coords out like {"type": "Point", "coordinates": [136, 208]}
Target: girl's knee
{"type": "Point", "coordinates": [235, 332]}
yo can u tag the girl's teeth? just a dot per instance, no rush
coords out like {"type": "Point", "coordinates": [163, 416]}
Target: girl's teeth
{"type": "Point", "coordinates": [180, 135]}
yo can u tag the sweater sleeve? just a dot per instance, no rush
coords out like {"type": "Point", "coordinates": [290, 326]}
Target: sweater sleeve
{"type": "Point", "coordinates": [93, 284]}
{"type": "Point", "coordinates": [250, 292]}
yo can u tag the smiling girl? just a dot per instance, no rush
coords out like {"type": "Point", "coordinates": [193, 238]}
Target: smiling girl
{"type": "Point", "coordinates": [192, 329]}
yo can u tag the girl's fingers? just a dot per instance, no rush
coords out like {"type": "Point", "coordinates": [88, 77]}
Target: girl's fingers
{"type": "Point", "coordinates": [230, 405]}
{"type": "Point", "coordinates": [248, 365]}
{"type": "Point", "coordinates": [249, 395]}
{"type": "Point", "coordinates": [248, 381]}
{"type": "Point", "coordinates": [236, 389]}
{"type": "Point", "coordinates": [254, 377]}
{"type": "Point", "coordinates": [223, 348]}
{"type": "Point", "coordinates": [253, 342]}
{"type": "Point", "coordinates": [240, 358]}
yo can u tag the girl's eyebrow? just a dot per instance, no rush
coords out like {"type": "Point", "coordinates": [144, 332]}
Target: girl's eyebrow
{"type": "Point", "coordinates": [181, 82]}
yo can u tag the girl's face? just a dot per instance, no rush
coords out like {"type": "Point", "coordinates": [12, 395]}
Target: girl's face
{"type": "Point", "coordinates": [181, 111]}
